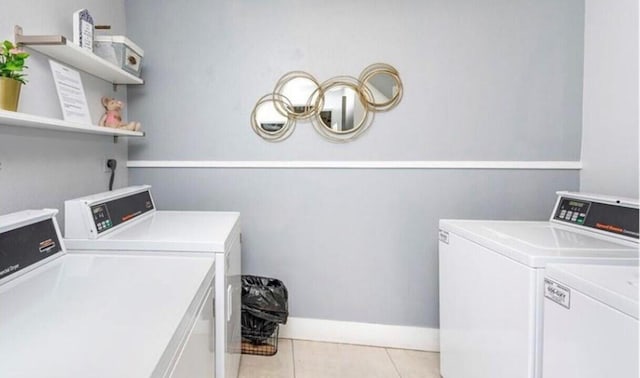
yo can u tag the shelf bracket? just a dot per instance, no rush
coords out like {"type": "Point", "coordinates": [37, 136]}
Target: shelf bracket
{"type": "Point", "coordinates": [26, 40]}
{"type": "Point", "coordinates": [115, 139]}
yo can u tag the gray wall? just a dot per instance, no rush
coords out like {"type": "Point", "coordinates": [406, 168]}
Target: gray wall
{"type": "Point", "coordinates": [354, 245]}
{"type": "Point", "coordinates": [42, 168]}
{"type": "Point", "coordinates": [610, 115]}
{"type": "Point", "coordinates": [492, 79]}
{"type": "Point", "coordinates": [489, 80]}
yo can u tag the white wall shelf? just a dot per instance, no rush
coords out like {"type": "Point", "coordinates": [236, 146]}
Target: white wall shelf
{"type": "Point", "coordinates": [8, 118]}
{"type": "Point", "coordinates": [64, 51]}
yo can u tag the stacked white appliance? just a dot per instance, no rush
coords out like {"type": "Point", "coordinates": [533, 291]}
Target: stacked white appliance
{"type": "Point", "coordinates": [492, 279]}
{"type": "Point", "coordinates": [127, 219]}
{"type": "Point", "coordinates": [591, 321]}
{"type": "Point", "coordinates": [76, 316]}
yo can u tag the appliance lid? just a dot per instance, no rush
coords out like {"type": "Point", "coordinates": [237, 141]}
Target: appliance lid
{"type": "Point", "coordinates": [615, 286]}
{"type": "Point", "coordinates": [192, 231]}
{"type": "Point", "coordinates": [82, 314]}
{"type": "Point", "coordinates": [537, 243]}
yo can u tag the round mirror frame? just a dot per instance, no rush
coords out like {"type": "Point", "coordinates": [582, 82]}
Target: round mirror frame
{"type": "Point", "coordinates": [272, 136]}
{"type": "Point", "coordinates": [362, 126]}
{"type": "Point", "coordinates": [280, 86]}
{"type": "Point", "coordinates": [382, 69]}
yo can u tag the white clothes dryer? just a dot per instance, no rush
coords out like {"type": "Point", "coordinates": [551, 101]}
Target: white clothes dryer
{"type": "Point", "coordinates": [127, 219]}
{"type": "Point", "coordinates": [77, 316]}
{"type": "Point", "coordinates": [492, 280]}
{"type": "Point", "coordinates": [590, 321]}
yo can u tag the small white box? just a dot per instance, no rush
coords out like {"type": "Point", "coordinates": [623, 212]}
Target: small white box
{"type": "Point", "coordinates": [120, 51]}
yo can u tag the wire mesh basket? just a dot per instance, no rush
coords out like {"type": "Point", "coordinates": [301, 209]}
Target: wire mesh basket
{"type": "Point", "coordinates": [260, 344]}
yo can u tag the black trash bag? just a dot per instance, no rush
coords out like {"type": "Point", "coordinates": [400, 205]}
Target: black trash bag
{"type": "Point", "coordinates": [265, 298]}
{"type": "Point", "coordinates": [255, 329]}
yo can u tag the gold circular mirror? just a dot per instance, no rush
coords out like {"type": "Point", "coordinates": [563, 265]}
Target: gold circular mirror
{"type": "Point", "coordinates": [384, 85]}
{"type": "Point", "coordinates": [298, 87]}
{"type": "Point", "coordinates": [267, 121]}
{"type": "Point", "coordinates": [342, 112]}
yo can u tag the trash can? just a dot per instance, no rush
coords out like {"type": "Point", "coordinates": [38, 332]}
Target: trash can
{"type": "Point", "coordinates": [264, 307]}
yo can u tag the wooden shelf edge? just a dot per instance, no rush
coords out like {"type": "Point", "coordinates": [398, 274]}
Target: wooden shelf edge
{"type": "Point", "coordinates": [33, 121]}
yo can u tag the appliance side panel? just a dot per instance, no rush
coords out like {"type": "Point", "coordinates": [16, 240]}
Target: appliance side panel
{"type": "Point", "coordinates": [228, 308]}
{"type": "Point", "coordinates": [447, 334]}
{"type": "Point", "coordinates": [537, 333]}
{"type": "Point", "coordinates": [75, 224]}
{"type": "Point", "coordinates": [221, 315]}
{"type": "Point", "coordinates": [486, 313]}
{"type": "Point", "coordinates": [234, 302]}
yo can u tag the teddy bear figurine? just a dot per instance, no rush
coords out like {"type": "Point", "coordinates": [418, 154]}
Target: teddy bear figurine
{"type": "Point", "coordinates": [112, 116]}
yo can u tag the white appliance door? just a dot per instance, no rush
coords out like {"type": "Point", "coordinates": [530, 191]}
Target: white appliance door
{"type": "Point", "coordinates": [588, 340]}
{"type": "Point", "coordinates": [487, 312]}
{"type": "Point", "coordinates": [197, 358]}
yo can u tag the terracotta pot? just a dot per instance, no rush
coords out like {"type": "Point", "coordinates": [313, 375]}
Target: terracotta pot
{"type": "Point", "coordinates": [9, 93]}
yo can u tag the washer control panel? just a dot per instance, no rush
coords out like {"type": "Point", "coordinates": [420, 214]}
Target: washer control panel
{"type": "Point", "coordinates": [572, 210]}
{"type": "Point", "coordinates": [611, 218]}
{"type": "Point", "coordinates": [121, 210]}
{"type": "Point", "coordinates": [101, 217]}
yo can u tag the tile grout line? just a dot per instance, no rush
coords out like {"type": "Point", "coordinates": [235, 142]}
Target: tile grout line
{"type": "Point", "coordinates": [393, 362]}
{"type": "Point", "coordinates": [293, 358]}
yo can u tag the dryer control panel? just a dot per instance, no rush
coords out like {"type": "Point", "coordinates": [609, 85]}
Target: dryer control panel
{"type": "Point", "coordinates": [28, 244]}
{"type": "Point", "coordinates": [112, 213]}
{"type": "Point", "coordinates": [613, 218]}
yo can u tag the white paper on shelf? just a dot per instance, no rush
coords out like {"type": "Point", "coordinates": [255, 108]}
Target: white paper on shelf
{"type": "Point", "coordinates": [70, 93]}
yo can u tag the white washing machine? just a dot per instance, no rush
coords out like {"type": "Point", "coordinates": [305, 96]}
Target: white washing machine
{"type": "Point", "coordinates": [590, 321]}
{"type": "Point", "coordinates": [127, 219]}
{"type": "Point", "coordinates": [77, 316]}
{"type": "Point", "coordinates": [492, 280]}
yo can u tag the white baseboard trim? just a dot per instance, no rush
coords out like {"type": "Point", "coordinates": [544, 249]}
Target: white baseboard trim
{"type": "Point", "coordinates": [380, 335]}
{"type": "Point", "coordinates": [347, 164]}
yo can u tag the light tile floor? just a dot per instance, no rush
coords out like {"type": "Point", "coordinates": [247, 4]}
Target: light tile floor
{"type": "Point", "coordinates": [309, 359]}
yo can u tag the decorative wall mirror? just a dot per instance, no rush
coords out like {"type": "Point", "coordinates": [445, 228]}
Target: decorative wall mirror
{"type": "Point", "coordinates": [384, 84]}
{"type": "Point", "coordinates": [343, 110]}
{"type": "Point", "coordinates": [340, 109]}
{"type": "Point", "coordinates": [268, 122]}
{"type": "Point", "coordinates": [298, 87]}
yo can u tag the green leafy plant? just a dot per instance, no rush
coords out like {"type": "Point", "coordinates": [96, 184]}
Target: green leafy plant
{"type": "Point", "coordinates": [12, 62]}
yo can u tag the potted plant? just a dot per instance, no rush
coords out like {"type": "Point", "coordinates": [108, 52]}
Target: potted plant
{"type": "Point", "coordinates": [11, 76]}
